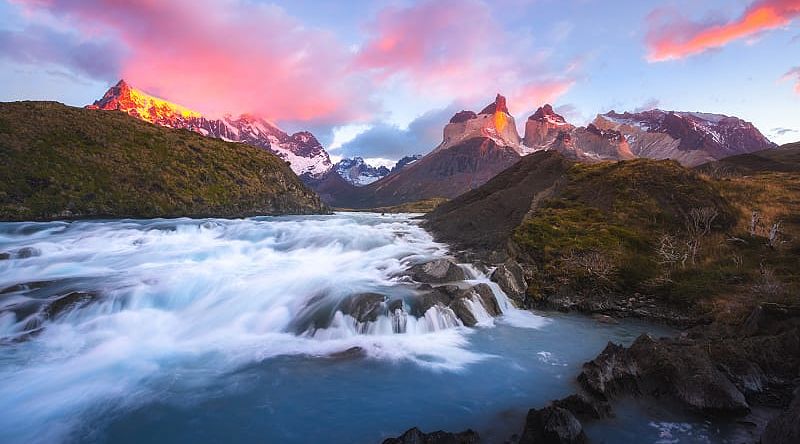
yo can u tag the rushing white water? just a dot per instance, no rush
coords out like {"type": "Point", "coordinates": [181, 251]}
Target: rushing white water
{"type": "Point", "coordinates": [167, 303]}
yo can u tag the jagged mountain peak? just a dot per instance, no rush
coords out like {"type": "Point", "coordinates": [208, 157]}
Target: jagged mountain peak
{"type": "Point", "coordinates": [499, 105]}
{"type": "Point", "coordinates": [546, 113]}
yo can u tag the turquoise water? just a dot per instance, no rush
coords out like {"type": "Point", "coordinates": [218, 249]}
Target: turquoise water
{"type": "Point", "coordinates": [192, 334]}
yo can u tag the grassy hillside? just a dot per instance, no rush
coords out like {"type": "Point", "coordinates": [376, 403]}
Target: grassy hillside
{"type": "Point", "coordinates": [64, 162]}
{"type": "Point", "coordinates": [638, 234]}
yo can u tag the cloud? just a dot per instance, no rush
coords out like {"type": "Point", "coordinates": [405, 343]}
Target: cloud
{"type": "Point", "coordinates": [793, 75]}
{"type": "Point", "coordinates": [783, 131]}
{"type": "Point", "coordinates": [672, 36]}
{"type": "Point", "coordinates": [455, 49]}
{"type": "Point", "coordinates": [391, 142]}
{"type": "Point", "coordinates": [34, 44]}
{"type": "Point", "coordinates": [648, 105]}
{"type": "Point", "coordinates": [223, 56]}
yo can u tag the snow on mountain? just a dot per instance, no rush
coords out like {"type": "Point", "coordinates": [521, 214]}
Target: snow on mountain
{"type": "Point", "coordinates": [358, 172]}
{"type": "Point", "coordinates": [302, 150]}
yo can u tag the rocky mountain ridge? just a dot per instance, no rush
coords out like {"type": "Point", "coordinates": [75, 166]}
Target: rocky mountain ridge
{"type": "Point", "coordinates": [302, 150]}
{"type": "Point", "coordinates": [691, 138]}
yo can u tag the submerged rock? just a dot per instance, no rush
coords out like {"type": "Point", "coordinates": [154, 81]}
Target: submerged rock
{"type": "Point", "coordinates": [552, 425]}
{"type": "Point", "coordinates": [511, 279]}
{"type": "Point", "coordinates": [437, 272]}
{"type": "Point", "coordinates": [67, 302]}
{"type": "Point", "coordinates": [416, 436]}
{"type": "Point", "coordinates": [27, 252]}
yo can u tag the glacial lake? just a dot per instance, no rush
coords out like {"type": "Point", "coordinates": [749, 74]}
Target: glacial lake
{"type": "Point", "coordinates": [196, 330]}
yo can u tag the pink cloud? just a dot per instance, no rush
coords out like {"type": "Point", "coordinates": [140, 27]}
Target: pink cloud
{"type": "Point", "coordinates": [672, 37]}
{"type": "Point", "coordinates": [793, 75]}
{"type": "Point", "coordinates": [456, 49]}
{"type": "Point", "coordinates": [223, 56]}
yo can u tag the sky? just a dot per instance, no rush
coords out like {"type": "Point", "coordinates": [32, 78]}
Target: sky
{"type": "Point", "coordinates": [379, 79]}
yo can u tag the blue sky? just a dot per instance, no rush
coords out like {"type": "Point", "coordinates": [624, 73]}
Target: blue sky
{"type": "Point", "coordinates": [380, 78]}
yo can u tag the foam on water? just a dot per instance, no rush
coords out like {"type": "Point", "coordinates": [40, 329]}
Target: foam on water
{"type": "Point", "coordinates": [180, 302]}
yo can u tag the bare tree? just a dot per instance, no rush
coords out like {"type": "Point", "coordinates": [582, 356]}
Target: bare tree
{"type": "Point", "coordinates": [595, 264]}
{"type": "Point", "coordinates": [670, 252]}
{"type": "Point", "coordinates": [774, 237]}
{"type": "Point", "coordinates": [755, 219]}
{"type": "Point", "coordinates": [768, 284]}
{"type": "Point", "coordinates": [698, 225]}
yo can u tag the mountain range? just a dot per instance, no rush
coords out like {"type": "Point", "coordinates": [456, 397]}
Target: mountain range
{"type": "Point", "coordinates": [475, 146]}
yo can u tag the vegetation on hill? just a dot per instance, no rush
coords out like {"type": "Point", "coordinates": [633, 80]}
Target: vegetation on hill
{"type": "Point", "coordinates": [625, 237]}
{"type": "Point", "coordinates": [658, 229]}
{"type": "Point", "coordinates": [63, 162]}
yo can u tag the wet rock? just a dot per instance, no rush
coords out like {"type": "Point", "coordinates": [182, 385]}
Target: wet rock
{"type": "Point", "coordinates": [416, 436]}
{"type": "Point", "coordinates": [552, 425]}
{"type": "Point", "coordinates": [5, 256]}
{"type": "Point", "coordinates": [584, 406]}
{"type": "Point", "coordinates": [487, 298]}
{"type": "Point", "coordinates": [350, 353]}
{"type": "Point", "coordinates": [785, 428]}
{"type": "Point", "coordinates": [364, 307]}
{"type": "Point", "coordinates": [511, 279]}
{"type": "Point", "coordinates": [69, 301]}
{"type": "Point", "coordinates": [655, 368]}
{"type": "Point", "coordinates": [428, 299]}
{"type": "Point", "coordinates": [463, 311]}
{"type": "Point", "coordinates": [437, 272]}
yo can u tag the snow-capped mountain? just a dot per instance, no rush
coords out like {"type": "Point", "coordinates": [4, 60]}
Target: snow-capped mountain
{"type": "Point", "coordinates": [689, 138]}
{"type": "Point", "coordinates": [358, 172]}
{"type": "Point", "coordinates": [304, 153]}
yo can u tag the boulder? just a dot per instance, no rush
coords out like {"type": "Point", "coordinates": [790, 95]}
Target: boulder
{"type": "Point", "coordinates": [655, 368]}
{"type": "Point", "coordinates": [416, 436]}
{"type": "Point", "coordinates": [487, 298]}
{"type": "Point", "coordinates": [27, 252]}
{"type": "Point", "coordinates": [462, 309]}
{"type": "Point", "coordinates": [511, 279]}
{"type": "Point", "coordinates": [364, 307]}
{"type": "Point", "coordinates": [430, 297]}
{"type": "Point", "coordinates": [437, 272]}
{"type": "Point", "coordinates": [552, 425]}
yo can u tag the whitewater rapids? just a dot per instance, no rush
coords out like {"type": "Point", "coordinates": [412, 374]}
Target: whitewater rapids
{"type": "Point", "coordinates": [180, 302]}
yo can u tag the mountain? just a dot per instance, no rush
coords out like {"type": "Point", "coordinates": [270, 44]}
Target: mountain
{"type": "Point", "coordinates": [474, 148]}
{"type": "Point", "coordinates": [402, 163]}
{"type": "Point", "coordinates": [690, 138]}
{"type": "Point", "coordinates": [358, 172]}
{"type": "Point", "coordinates": [543, 128]}
{"type": "Point", "coordinates": [302, 150]}
{"type": "Point", "coordinates": [59, 162]}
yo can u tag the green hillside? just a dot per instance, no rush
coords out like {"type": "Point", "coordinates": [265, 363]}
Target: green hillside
{"type": "Point", "coordinates": [63, 162]}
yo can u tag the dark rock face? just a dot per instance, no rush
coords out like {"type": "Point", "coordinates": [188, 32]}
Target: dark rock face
{"type": "Point", "coordinates": [457, 299]}
{"type": "Point", "coordinates": [785, 428]}
{"type": "Point", "coordinates": [437, 272]}
{"type": "Point", "coordinates": [511, 279]}
{"type": "Point", "coordinates": [463, 116]}
{"type": "Point", "coordinates": [552, 425]}
{"type": "Point", "coordinates": [416, 436]}
{"type": "Point", "coordinates": [402, 163]}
